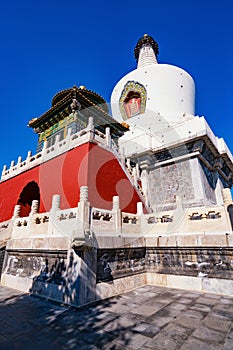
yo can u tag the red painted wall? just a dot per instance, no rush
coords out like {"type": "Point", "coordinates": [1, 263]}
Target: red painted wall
{"type": "Point", "coordinates": [87, 164]}
{"type": "Point", "coordinates": [106, 179]}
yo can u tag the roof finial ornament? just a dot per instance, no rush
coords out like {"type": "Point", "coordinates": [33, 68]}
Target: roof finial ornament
{"type": "Point", "coordinates": [75, 105]}
{"type": "Point", "coordinates": [146, 51]}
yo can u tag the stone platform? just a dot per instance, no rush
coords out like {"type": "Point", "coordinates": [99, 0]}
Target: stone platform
{"type": "Point", "coordinates": [149, 317]}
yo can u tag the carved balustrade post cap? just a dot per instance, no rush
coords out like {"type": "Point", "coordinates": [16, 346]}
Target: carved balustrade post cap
{"type": "Point", "coordinates": [116, 202]}
{"type": "Point", "coordinates": [226, 195]}
{"type": "Point", "coordinates": [34, 207]}
{"type": "Point", "coordinates": [90, 121]}
{"type": "Point", "coordinates": [84, 193]}
{"type": "Point", "coordinates": [139, 208]}
{"type": "Point", "coordinates": [17, 210]}
{"type": "Point", "coordinates": [56, 201]}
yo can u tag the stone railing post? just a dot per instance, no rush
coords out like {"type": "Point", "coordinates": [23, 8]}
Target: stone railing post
{"type": "Point", "coordinates": [34, 210]}
{"type": "Point", "coordinates": [34, 207]}
{"type": "Point", "coordinates": [226, 196]}
{"type": "Point", "coordinates": [52, 215]}
{"type": "Point", "coordinates": [83, 217]}
{"type": "Point", "coordinates": [137, 170]}
{"type": "Point", "coordinates": [91, 128]}
{"type": "Point", "coordinates": [139, 208]}
{"type": "Point", "coordinates": [55, 203]}
{"type": "Point", "coordinates": [135, 178]}
{"type": "Point", "coordinates": [28, 156]}
{"type": "Point", "coordinates": [117, 215]}
{"type": "Point", "coordinates": [44, 147]}
{"type": "Point", "coordinates": [17, 210]}
{"type": "Point", "coordinates": [122, 154]}
{"type": "Point", "coordinates": [4, 170]}
{"type": "Point", "coordinates": [68, 135]}
{"type": "Point", "coordinates": [16, 215]}
{"type": "Point", "coordinates": [57, 139]}
{"type": "Point", "coordinates": [108, 137]}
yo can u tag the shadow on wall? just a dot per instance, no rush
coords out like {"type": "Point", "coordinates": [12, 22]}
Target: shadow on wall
{"type": "Point", "coordinates": [230, 211]}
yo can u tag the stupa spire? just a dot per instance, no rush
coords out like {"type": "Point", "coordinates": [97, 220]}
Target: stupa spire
{"type": "Point", "coordinates": [146, 51]}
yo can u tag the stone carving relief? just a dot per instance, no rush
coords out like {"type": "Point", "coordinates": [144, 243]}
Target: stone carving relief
{"type": "Point", "coordinates": [209, 262]}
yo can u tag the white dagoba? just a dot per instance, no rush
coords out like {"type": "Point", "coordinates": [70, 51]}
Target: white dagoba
{"type": "Point", "coordinates": [170, 91]}
{"type": "Point", "coordinates": [165, 139]}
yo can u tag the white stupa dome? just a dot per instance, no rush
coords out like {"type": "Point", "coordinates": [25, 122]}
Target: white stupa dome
{"type": "Point", "coordinates": [164, 89]}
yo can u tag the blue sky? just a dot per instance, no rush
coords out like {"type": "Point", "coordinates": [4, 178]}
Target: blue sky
{"type": "Point", "coordinates": [50, 45]}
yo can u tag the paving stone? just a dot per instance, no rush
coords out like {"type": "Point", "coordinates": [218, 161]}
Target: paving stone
{"type": "Point", "coordinates": [122, 323]}
{"type": "Point", "coordinates": [210, 334]}
{"type": "Point", "coordinates": [132, 341]}
{"type": "Point", "coordinates": [188, 321]}
{"type": "Point", "coordinates": [197, 344]}
{"type": "Point", "coordinates": [160, 321]}
{"type": "Point", "coordinates": [224, 307]}
{"type": "Point", "coordinates": [206, 301]}
{"type": "Point", "coordinates": [226, 300]}
{"type": "Point", "coordinates": [98, 338]}
{"type": "Point", "coordinates": [2, 338]}
{"type": "Point", "coordinates": [118, 308]}
{"type": "Point", "coordinates": [228, 345]}
{"type": "Point", "coordinates": [195, 314]}
{"type": "Point", "coordinates": [177, 294]}
{"type": "Point", "coordinates": [200, 307]}
{"type": "Point", "coordinates": [192, 295]}
{"type": "Point", "coordinates": [172, 294]}
{"type": "Point", "coordinates": [167, 312]}
{"type": "Point", "coordinates": [184, 300]}
{"type": "Point", "coordinates": [219, 315]}
{"type": "Point", "coordinates": [111, 346]}
{"type": "Point", "coordinates": [212, 296]}
{"type": "Point", "coordinates": [157, 289]}
{"type": "Point", "coordinates": [160, 299]}
{"type": "Point", "coordinates": [147, 310]}
{"type": "Point", "coordinates": [100, 320]}
{"type": "Point", "coordinates": [230, 334]}
{"type": "Point", "coordinates": [223, 314]}
{"type": "Point", "coordinates": [170, 338]}
{"type": "Point", "coordinates": [226, 313]}
{"type": "Point", "coordinates": [150, 317]}
{"type": "Point", "coordinates": [217, 323]}
{"type": "Point", "coordinates": [177, 306]}
{"type": "Point", "coordinates": [147, 329]}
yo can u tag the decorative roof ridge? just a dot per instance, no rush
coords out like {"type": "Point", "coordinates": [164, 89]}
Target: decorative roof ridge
{"type": "Point", "coordinates": [76, 89]}
{"type": "Point", "coordinates": [52, 109]}
{"type": "Point", "coordinates": [97, 106]}
{"type": "Point", "coordinates": [101, 109]}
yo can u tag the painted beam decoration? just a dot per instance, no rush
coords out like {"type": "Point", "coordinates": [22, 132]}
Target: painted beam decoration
{"type": "Point", "coordinates": [133, 100]}
{"type": "Point", "coordinates": [60, 125]}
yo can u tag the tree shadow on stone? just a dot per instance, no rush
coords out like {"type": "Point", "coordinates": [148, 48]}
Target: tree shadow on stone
{"type": "Point", "coordinates": [33, 323]}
